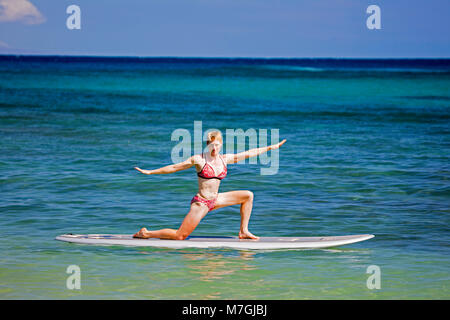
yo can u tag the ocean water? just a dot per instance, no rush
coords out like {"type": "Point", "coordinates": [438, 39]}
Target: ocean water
{"type": "Point", "coordinates": [367, 151]}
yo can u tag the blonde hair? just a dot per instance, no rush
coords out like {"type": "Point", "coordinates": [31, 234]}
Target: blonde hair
{"type": "Point", "coordinates": [213, 136]}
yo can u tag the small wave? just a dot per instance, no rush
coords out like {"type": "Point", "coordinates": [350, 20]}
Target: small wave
{"type": "Point", "coordinates": [426, 97]}
{"type": "Point", "coordinates": [293, 68]}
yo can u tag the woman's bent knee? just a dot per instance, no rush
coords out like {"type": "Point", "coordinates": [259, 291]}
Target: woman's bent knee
{"type": "Point", "coordinates": [181, 235]}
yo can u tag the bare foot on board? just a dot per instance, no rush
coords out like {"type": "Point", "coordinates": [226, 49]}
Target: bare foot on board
{"type": "Point", "coordinates": [141, 234]}
{"type": "Point", "coordinates": [247, 235]}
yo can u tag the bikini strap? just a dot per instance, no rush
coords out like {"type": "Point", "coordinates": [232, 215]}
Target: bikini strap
{"type": "Point", "coordinates": [199, 172]}
{"type": "Point", "coordinates": [225, 165]}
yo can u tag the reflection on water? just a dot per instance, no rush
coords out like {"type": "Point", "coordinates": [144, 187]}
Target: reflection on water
{"type": "Point", "coordinates": [210, 265]}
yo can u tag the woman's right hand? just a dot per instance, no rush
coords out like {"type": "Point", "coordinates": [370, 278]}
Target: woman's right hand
{"type": "Point", "coordinates": [143, 171]}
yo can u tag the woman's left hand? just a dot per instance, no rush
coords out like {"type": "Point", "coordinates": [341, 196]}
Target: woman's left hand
{"type": "Point", "coordinates": [276, 146]}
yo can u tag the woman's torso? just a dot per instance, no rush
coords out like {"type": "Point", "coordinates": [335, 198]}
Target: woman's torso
{"type": "Point", "coordinates": [210, 174]}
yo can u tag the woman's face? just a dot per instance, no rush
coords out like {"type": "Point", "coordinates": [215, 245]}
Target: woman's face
{"type": "Point", "coordinates": [214, 147]}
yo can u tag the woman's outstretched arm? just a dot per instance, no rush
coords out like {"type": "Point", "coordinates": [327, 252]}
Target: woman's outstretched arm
{"type": "Point", "coordinates": [170, 168]}
{"type": "Point", "coordinates": [233, 158]}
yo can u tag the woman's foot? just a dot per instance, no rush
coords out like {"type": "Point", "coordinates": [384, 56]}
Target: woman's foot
{"type": "Point", "coordinates": [143, 234]}
{"type": "Point", "coordinates": [247, 235]}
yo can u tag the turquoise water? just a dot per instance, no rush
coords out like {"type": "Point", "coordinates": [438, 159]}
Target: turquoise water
{"type": "Point", "coordinates": [367, 151]}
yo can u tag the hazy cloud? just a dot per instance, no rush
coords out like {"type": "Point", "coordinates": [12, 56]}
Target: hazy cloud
{"type": "Point", "coordinates": [4, 44]}
{"type": "Point", "coordinates": [20, 10]}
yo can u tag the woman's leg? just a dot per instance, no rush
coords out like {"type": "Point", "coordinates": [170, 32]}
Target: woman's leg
{"type": "Point", "coordinates": [245, 199]}
{"type": "Point", "coordinates": [190, 222]}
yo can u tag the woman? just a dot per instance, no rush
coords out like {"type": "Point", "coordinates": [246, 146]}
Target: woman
{"type": "Point", "coordinates": [211, 167]}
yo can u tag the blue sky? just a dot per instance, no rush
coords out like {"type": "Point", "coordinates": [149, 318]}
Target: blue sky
{"type": "Point", "coordinates": [227, 28]}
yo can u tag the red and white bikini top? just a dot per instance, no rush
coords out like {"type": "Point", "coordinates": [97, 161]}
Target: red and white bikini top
{"type": "Point", "coordinates": [207, 171]}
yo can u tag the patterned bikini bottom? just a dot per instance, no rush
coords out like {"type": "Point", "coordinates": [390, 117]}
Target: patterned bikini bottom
{"type": "Point", "coordinates": [209, 203]}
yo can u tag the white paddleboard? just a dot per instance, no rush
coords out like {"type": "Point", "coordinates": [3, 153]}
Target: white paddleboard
{"type": "Point", "coordinates": [217, 242]}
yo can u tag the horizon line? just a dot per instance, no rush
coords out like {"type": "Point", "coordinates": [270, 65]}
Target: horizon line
{"type": "Point", "coordinates": [213, 57]}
